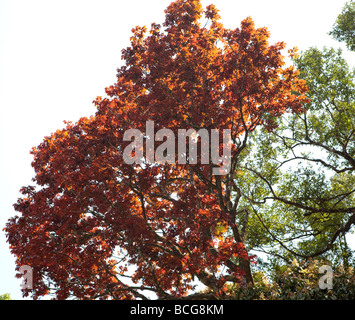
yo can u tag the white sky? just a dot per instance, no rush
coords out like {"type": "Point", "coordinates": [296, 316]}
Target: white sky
{"type": "Point", "coordinates": [57, 56]}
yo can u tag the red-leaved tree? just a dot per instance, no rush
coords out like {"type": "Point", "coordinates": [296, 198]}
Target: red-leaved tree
{"type": "Point", "coordinates": [96, 227]}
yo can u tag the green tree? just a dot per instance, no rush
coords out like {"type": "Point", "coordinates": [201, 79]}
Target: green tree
{"type": "Point", "coordinates": [298, 180]}
{"type": "Point", "coordinates": [344, 27]}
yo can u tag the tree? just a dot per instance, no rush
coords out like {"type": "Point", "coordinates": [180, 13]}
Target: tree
{"type": "Point", "coordinates": [344, 27]}
{"type": "Point", "coordinates": [96, 227]}
{"type": "Point", "coordinates": [298, 181]}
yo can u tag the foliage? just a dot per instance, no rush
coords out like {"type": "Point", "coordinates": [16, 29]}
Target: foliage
{"type": "Point", "coordinates": [5, 296]}
{"type": "Point", "coordinates": [298, 281]}
{"type": "Point", "coordinates": [299, 179]}
{"type": "Point", "coordinates": [95, 227]}
{"type": "Point", "coordinates": [344, 27]}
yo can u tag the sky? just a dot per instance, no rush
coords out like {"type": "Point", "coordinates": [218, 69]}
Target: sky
{"type": "Point", "coordinates": [57, 56]}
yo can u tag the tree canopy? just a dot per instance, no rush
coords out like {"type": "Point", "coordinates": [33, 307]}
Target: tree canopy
{"type": "Point", "coordinates": [96, 227]}
{"type": "Point", "coordinates": [344, 27]}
